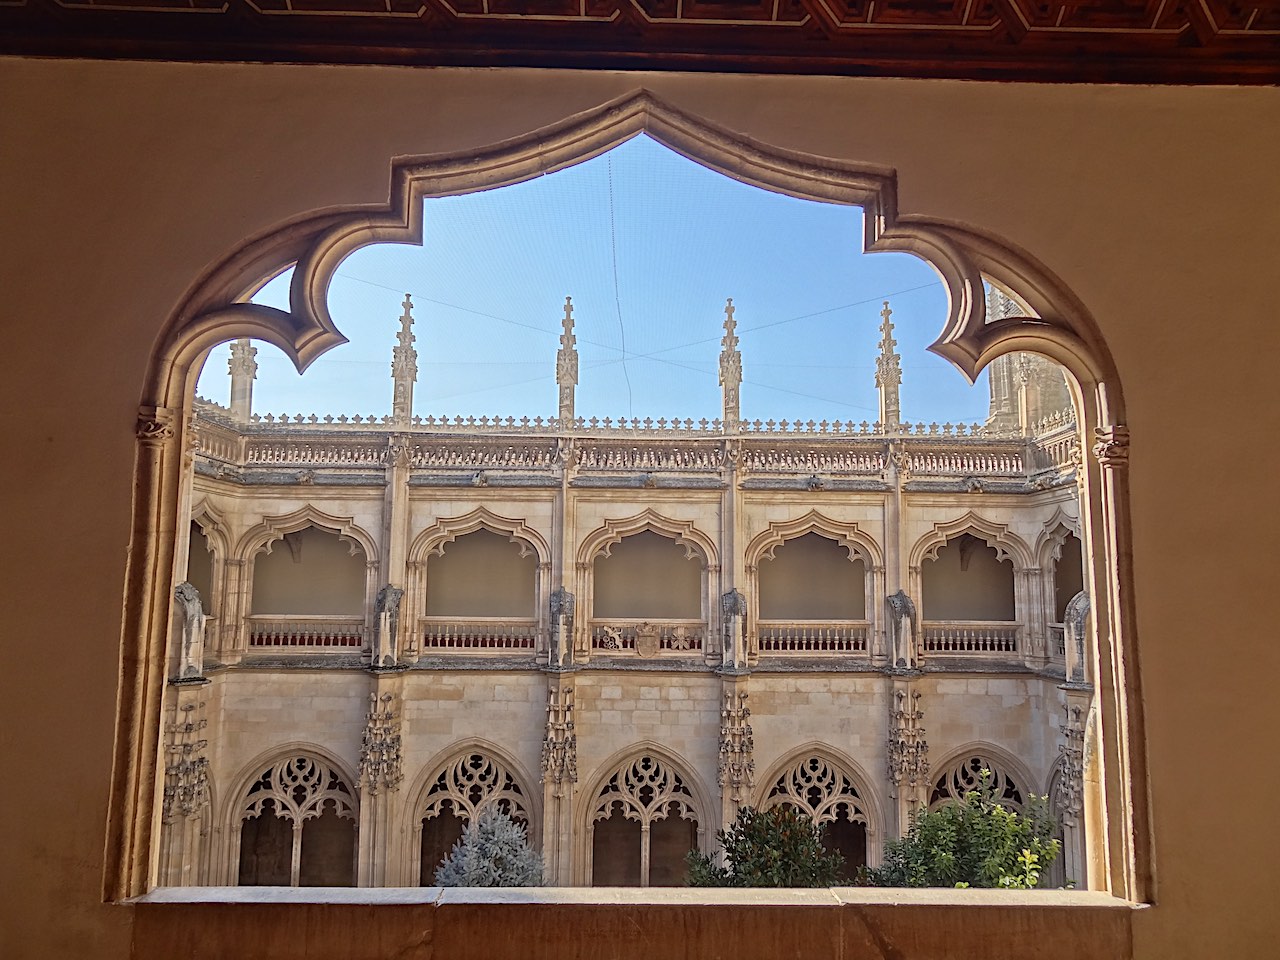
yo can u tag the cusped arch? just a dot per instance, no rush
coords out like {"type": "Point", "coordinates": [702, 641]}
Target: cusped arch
{"type": "Point", "coordinates": [998, 536]}
{"type": "Point", "coordinates": [764, 545]}
{"type": "Point", "coordinates": [317, 243]}
{"type": "Point", "coordinates": [433, 540]}
{"type": "Point", "coordinates": [214, 526]}
{"type": "Point", "coordinates": [834, 778]}
{"type": "Point", "coordinates": [262, 537]}
{"type": "Point", "coordinates": [215, 311]}
{"type": "Point", "coordinates": [604, 538]}
{"type": "Point", "coordinates": [1053, 535]}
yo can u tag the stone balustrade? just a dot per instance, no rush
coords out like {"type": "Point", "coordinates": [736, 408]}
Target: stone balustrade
{"type": "Point", "coordinates": [476, 635]}
{"type": "Point", "coordinates": [1057, 641]}
{"type": "Point", "coordinates": [962, 638]}
{"type": "Point", "coordinates": [647, 638]}
{"type": "Point", "coordinates": [826, 449]}
{"type": "Point", "coordinates": [304, 634]}
{"type": "Point", "coordinates": [812, 636]}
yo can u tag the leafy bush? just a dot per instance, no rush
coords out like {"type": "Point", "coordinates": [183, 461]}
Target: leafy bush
{"type": "Point", "coordinates": [493, 852]}
{"type": "Point", "coordinates": [778, 847]}
{"type": "Point", "coordinates": [974, 843]}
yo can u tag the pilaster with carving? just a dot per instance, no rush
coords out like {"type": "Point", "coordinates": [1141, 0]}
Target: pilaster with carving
{"type": "Point", "coordinates": [559, 777]}
{"type": "Point", "coordinates": [185, 809]}
{"type": "Point", "coordinates": [1068, 795]}
{"type": "Point", "coordinates": [736, 768]}
{"type": "Point", "coordinates": [907, 753]}
{"type": "Point", "coordinates": [379, 778]}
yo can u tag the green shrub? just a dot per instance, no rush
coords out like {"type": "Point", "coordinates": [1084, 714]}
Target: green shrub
{"type": "Point", "coordinates": [493, 852]}
{"type": "Point", "coordinates": [778, 847]}
{"type": "Point", "coordinates": [973, 843]}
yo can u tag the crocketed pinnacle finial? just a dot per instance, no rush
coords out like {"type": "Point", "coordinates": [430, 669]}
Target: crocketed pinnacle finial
{"type": "Point", "coordinates": [404, 365]}
{"type": "Point", "coordinates": [567, 364]}
{"type": "Point", "coordinates": [888, 371]}
{"type": "Point", "coordinates": [567, 339]}
{"type": "Point", "coordinates": [730, 365]}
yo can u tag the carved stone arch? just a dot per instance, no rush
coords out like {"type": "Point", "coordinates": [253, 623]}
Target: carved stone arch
{"type": "Point", "coordinates": [699, 797]}
{"type": "Point", "coordinates": [248, 775]}
{"type": "Point", "coordinates": [1053, 535]}
{"type": "Point", "coordinates": [838, 779]}
{"type": "Point", "coordinates": [602, 540]}
{"type": "Point", "coordinates": [214, 526]}
{"type": "Point", "coordinates": [497, 776]}
{"type": "Point", "coordinates": [958, 772]}
{"type": "Point", "coordinates": [433, 540]}
{"type": "Point", "coordinates": [848, 534]}
{"type": "Point", "coordinates": [262, 537]}
{"type": "Point", "coordinates": [215, 311]}
{"type": "Point", "coordinates": [237, 798]}
{"type": "Point", "coordinates": [622, 783]}
{"type": "Point", "coordinates": [318, 242]}
{"type": "Point", "coordinates": [1007, 545]}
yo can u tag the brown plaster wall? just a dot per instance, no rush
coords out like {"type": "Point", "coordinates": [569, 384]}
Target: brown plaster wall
{"type": "Point", "coordinates": [1158, 206]}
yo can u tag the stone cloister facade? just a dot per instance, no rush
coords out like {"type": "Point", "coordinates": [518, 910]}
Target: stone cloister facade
{"type": "Point", "coordinates": [619, 632]}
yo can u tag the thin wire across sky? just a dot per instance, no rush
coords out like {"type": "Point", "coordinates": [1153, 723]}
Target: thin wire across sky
{"type": "Point", "coordinates": [649, 245]}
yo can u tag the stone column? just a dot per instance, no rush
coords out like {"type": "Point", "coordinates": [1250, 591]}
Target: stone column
{"type": "Point", "coordinates": [243, 366]}
{"type": "Point", "coordinates": [1112, 783]}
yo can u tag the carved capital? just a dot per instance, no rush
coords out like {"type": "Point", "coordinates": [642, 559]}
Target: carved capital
{"type": "Point", "coordinates": [156, 425]}
{"type": "Point", "coordinates": [1111, 446]}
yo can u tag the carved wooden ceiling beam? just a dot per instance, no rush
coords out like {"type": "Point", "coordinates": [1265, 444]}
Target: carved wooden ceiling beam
{"type": "Point", "coordinates": [1107, 41]}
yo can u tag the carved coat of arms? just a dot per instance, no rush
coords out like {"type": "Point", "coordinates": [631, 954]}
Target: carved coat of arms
{"type": "Point", "coordinates": [648, 642]}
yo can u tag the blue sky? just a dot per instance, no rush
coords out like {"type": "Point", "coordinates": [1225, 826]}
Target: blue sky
{"type": "Point", "coordinates": [649, 245]}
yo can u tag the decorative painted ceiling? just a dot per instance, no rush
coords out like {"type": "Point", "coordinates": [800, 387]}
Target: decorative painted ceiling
{"type": "Point", "coordinates": [1132, 41]}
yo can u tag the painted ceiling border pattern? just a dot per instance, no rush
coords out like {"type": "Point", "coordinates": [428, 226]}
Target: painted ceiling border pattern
{"type": "Point", "coordinates": [1140, 41]}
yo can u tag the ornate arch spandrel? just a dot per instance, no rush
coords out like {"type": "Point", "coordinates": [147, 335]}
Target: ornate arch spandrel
{"type": "Point", "coordinates": [1007, 545]}
{"type": "Point", "coordinates": [861, 546]}
{"type": "Point", "coordinates": [263, 536]}
{"type": "Point", "coordinates": [214, 311]}
{"type": "Point", "coordinates": [697, 545]}
{"type": "Point", "coordinates": [433, 540]}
